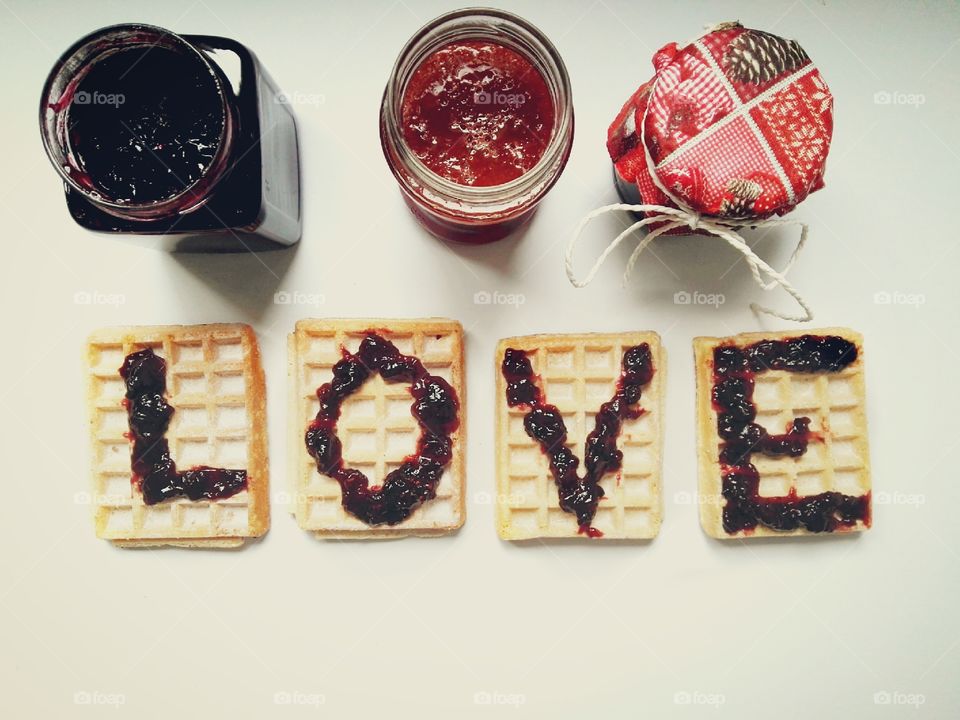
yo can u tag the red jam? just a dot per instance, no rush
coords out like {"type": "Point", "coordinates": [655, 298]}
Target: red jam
{"type": "Point", "coordinates": [544, 424]}
{"type": "Point", "coordinates": [435, 408]}
{"type": "Point", "coordinates": [477, 113]}
{"type": "Point", "coordinates": [734, 370]}
{"type": "Point", "coordinates": [148, 416]}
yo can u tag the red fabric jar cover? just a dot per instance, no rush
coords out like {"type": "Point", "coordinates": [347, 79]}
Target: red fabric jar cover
{"type": "Point", "coordinates": [735, 125]}
{"type": "Point", "coordinates": [731, 131]}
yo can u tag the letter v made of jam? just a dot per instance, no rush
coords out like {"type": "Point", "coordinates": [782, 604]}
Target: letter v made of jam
{"type": "Point", "coordinates": [782, 434]}
{"type": "Point", "coordinates": [556, 393]}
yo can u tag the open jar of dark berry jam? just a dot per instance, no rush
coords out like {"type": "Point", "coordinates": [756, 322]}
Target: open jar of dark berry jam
{"type": "Point", "coordinates": [477, 123]}
{"type": "Point", "coordinates": [181, 141]}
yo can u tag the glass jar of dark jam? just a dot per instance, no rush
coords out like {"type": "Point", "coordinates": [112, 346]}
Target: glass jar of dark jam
{"type": "Point", "coordinates": [477, 123]}
{"type": "Point", "coordinates": [183, 142]}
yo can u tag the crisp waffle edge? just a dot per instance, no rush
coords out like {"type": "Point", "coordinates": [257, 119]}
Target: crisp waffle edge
{"type": "Point", "coordinates": [709, 484]}
{"type": "Point", "coordinates": [501, 514]}
{"type": "Point", "coordinates": [258, 463]}
{"type": "Point", "coordinates": [295, 448]}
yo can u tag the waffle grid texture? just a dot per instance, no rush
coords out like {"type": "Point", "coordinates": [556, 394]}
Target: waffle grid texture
{"type": "Point", "coordinates": [376, 426]}
{"type": "Point", "coordinates": [835, 402]}
{"type": "Point", "coordinates": [577, 374]}
{"type": "Point", "coordinates": [215, 383]}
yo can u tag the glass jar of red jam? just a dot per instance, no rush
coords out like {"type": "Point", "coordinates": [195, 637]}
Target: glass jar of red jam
{"type": "Point", "coordinates": [477, 123]}
{"type": "Point", "coordinates": [180, 141]}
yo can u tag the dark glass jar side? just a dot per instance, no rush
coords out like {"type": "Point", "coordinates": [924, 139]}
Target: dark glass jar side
{"type": "Point", "coordinates": [253, 201]}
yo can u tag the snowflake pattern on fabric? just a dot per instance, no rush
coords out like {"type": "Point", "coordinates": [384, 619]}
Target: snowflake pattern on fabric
{"type": "Point", "coordinates": [800, 133]}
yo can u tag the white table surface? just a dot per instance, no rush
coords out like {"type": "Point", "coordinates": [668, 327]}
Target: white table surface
{"type": "Point", "coordinates": [682, 626]}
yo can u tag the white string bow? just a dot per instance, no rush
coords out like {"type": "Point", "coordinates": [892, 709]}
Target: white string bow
{"type": "Point", "coordinates": [681, 215]}
{"type": "Point", "coordinates": [671, 218]}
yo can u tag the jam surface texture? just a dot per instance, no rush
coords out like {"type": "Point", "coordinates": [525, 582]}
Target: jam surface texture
{"type": "Point", "coordinates": [435, 407]}
{"type": "Point", "coordinates": [734, 372]}
{"type": "Point", "coordinates": [148, 416]}
{"type": "Point", "coordinates": [145, 124]}
{"type": "Point", "coordinates": [477, 113]}
{"type": "Point", "coordinates": [544, 424]}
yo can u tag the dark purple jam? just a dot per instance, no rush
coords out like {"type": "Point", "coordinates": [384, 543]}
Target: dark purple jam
{"type": "Point", "coordinates": [145, 124]}
{"type": "Point", "coordinates": [148, 416]}
{"type": "Point", "coordinates": [734, 371]}
{"type": "Point", "coordinates": [544, 424]}
{"type": "Point", "coordinates": [435, 408]}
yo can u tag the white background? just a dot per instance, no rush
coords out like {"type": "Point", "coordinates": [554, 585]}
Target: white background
{"type": "Point", "coordinates": [420, 627]}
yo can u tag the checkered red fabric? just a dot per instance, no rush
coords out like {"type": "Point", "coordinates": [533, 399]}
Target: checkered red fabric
{"type": "Point", "coordinates": [737, 125]}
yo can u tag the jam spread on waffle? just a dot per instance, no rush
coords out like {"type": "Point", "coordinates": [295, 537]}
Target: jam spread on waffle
{"type": "Point", "coordinates": [544, 424]}
{"type": "Point", "coordinates": [477, 113]}
{"type": "Point", "coordinates": [435, 408]}
{"type": "Point", "coordinates": [148, 416]}
{"type": "Point", "coordinates": [734, 370]}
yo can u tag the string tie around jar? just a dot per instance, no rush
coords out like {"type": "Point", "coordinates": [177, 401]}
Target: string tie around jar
{"type": "Point", "coordinates": [671, 218]}
{"type": "Point", "coordinates": [731, 132]}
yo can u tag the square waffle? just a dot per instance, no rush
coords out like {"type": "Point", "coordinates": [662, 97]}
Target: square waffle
{"type": "Point", "coordinates": [835, 404]}
{"type": "Point", "coordinates": [577, 374]}
{"type": "Point", "coordinates": [215, 384]}
{"type": "Point", "coordinates": [376, 426]}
